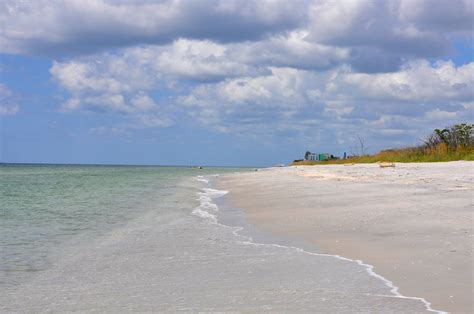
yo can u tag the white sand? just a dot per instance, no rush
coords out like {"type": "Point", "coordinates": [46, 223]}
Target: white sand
{"type": "Point", "coordinates": [413, 222]}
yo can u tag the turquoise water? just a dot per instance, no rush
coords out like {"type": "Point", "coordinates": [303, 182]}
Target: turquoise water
{"type": "Point", "coordinates": [44, 207]}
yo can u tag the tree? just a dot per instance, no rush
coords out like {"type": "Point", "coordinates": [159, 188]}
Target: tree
{"type": "Point", "coordinates": [462, 134]}
{"type": "Point", "coordinates": [458, 135]}
{"type": "Point", "coordinates": [359, 149]}
{"type": "Point", "coordinates": [307, 155]}
{"type": "Point", "coordinates": [363, 148]}
{"type": "Point", "coordinates": [443, 135]}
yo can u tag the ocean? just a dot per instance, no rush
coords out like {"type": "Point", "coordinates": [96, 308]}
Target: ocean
{"type": "Point", "coordinates": [145, 239]}
{"type": "Point", "coordinates": [46, 208]}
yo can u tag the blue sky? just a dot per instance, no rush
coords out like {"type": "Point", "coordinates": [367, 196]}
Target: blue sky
{"type": "Point", "coordinates": [249, 83]}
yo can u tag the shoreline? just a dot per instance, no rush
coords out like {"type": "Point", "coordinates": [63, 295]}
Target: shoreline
{"type": "Point", "coordinates": [171, 259]}
{"type": "Point", "coordinates": [247, 231]}
{"type": "Point", "coordinates": [412, 222]}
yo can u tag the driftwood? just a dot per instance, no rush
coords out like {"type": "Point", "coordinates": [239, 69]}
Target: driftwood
{"type": "Point", "coordinates": [386, 164]}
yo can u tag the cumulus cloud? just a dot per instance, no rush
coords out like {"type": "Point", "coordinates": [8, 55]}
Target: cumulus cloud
{"type": "Point", "coordinates": [119, 81]}
{"type": "Point", "coordinates": [222, 88]}
{"type": "Point", "coordinates": [292, 49]}
{"type": "Point", "coordinates": [287, 87]}
{"type": "Point", "coordinates": [378, 34]}
{"type": "Point", "coordinates": [411, 99]}
{"type": "Point", "coordinates": [324, 69]}
{"type": "Point", "coordinates": [283, 87]}
{"type": "Point", "coordinates": [417, 81]}
{"type": "Point", "coordinates": [197, 60]}
{"type": "Point", "coordinates": [116, 85]}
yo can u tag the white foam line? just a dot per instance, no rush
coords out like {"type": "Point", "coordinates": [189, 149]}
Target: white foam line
{"type": "Point", "coordinates": [206, 197]}
{"type": "Point", "coordinates": [202, 179]}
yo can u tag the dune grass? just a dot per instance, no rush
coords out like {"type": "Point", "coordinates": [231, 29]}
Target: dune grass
{"type": "Point", "coordinates": [438, 153]}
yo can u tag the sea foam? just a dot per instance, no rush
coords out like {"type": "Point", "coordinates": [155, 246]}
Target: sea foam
{"type": "Point", "coordinates": [207, 208]}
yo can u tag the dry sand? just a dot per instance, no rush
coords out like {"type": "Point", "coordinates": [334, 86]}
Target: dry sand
{"type": "Point", "coordinates": [414, 222]}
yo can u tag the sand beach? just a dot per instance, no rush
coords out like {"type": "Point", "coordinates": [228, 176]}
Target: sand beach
{"type": "Point", "coordinates": [413, 222]}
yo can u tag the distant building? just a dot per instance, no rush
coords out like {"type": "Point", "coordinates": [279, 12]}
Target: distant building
{"type": "Point", "coordinates": [312, 156]}
{"type": "Point", "coordinates": [318, 156]}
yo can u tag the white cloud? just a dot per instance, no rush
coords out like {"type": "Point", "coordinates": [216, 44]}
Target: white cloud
{"type": "Point", "coordinates": [118, 82]}
{"type": "Point", "coordinates": [281, 88]}
{"type": "Point", "coordinates": [338, 98]}
{"type": "Point", "coordinates": [292, 49]}
{"type": "Point", "coordinates": [254, 66]}
{"type": "Point", "coordinates": [111, 84]}
{"type": "Point", "coordinates": [222, 87]}
{"type": "Point", "coordinates": [111, 75]}
{"type": "Point", "coordinates": [198, 60]}
{"type": "Point", "coordinates": [417, 81]}
{"type": "Point", "coordinates": [372, 35]}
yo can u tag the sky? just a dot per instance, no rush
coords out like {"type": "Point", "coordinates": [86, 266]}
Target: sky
{"type": "Point", "coordinates": [230, 82]}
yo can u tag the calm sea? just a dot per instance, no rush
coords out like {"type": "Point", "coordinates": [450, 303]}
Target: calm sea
{"type": "Point", "coordinates": [45, 208]}
{"type": "Point", "coordinates": [159, 239]}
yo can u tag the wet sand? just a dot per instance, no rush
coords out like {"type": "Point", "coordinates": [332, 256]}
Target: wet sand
{"type": "Point", "coordinates": [414, 222]}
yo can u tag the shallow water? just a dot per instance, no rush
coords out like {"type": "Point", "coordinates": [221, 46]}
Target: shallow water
{"type": "Point", "coordinates": [47, 208]}
{"type": "Point", "coordinates": [152, 239]}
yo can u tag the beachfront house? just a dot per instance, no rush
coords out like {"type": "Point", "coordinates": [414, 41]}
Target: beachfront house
{"type": "Point", "coordinates": [318, 156]}
{"type": "Point", "coordinates": [311, 156]}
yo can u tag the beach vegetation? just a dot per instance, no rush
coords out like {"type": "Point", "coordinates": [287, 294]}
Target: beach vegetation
{"type": "Point", "coordinates": [448, 144]}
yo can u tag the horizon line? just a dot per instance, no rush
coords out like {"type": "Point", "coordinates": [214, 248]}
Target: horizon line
{"type": "Point", "coordinates": [120, 164]}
